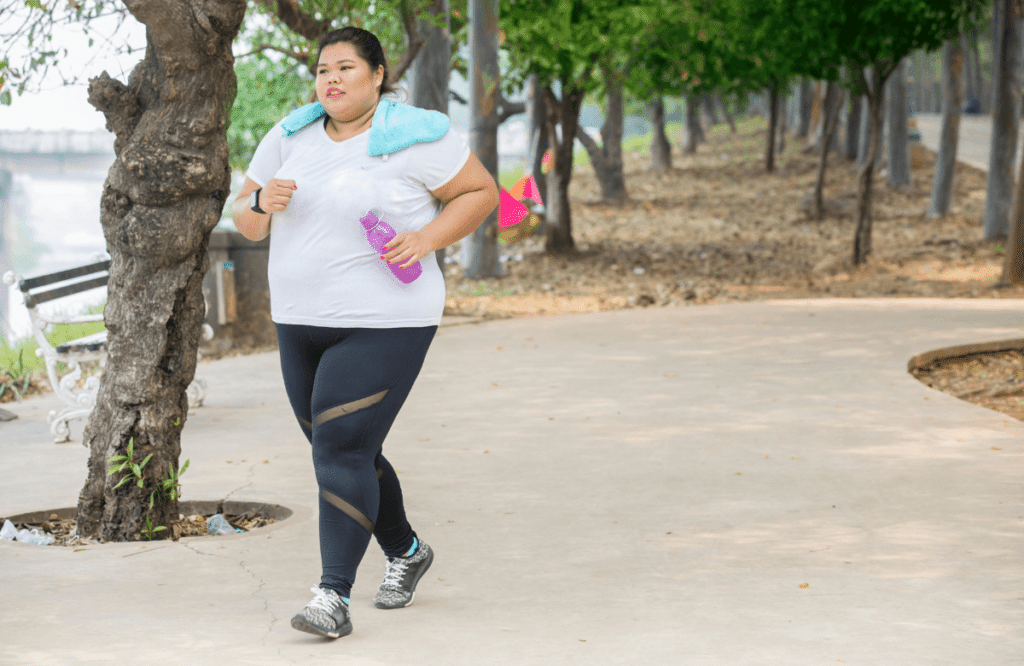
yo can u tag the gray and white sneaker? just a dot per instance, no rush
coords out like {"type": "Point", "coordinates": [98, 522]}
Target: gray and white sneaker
{"type": "Point", "coordinates": [400, 577]}
{"type": "Point", "coordinates": [326, 615]}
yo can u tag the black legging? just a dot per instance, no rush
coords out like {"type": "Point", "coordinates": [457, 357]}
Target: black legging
{"type": "Point", "coordinates": [346, 386]}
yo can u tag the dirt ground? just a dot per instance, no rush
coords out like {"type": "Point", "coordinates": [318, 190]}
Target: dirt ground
{"type": "Point", "coordinates": [62, 530]}
{"type": "Point", "coordinates": [717, 229]}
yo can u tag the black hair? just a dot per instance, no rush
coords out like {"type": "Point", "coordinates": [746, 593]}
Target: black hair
{"type": "Point", "coordinates": [367, 47]}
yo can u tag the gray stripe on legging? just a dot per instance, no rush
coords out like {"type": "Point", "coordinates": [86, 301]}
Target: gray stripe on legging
{"type": "Point", "coordinates": [303, 422]}
{"type": "Point", "coordinates": [349, 510]}
{"type": "Point", "coordinates": [347, 408]}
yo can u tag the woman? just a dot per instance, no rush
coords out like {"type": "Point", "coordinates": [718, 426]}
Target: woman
{"type": "Point", "coordinates": [353, 333]}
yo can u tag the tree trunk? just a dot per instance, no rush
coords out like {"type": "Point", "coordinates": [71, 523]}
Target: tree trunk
{"type": "Point", "coordinates": [482, 249]}
{"type": "Point", "coordinates": [864, 132]}
{"type": "Point", "coordinates": [564, 114]}
{"type": "Point", "coordinates": [896, 110]}
{"type": "Point", "coordinates": [952, 99]}
{"type": "Point", "coordinates": [431, 70]}
{"type": "Point", "coordinates": [709, 108]}
{"type": "Point", "coordinates": [773, 115]}
{"type": "Point", "coordinates": [661, 149]}
{"type": "Point", "coordinates": [974, 94]}
{"type": "Point", "coordinates": [162, 198]}
{"type": "Point", "coordinates": [803, 129]}
{"type": "Point", "coordinates": [536, 115]}
{"type": "Point", "coordinates": [832, 92]}
{"type": "Point", "coordinates": [1013, 263]}
{"type": "Point", "coordinates": [780, 111]}
{"type": "Point", "coordinates": [717, 99]}
{"type": "Point", "coordinates": [694, 132]}
{"type": "Point", "coordinates": [607, 158]}
{"type": "Point", "coordinates": [853, 128]}
{"type": "Point", "coordinates": [862, 237]}
{"type": "Point", "coordinates": [1006, 101]}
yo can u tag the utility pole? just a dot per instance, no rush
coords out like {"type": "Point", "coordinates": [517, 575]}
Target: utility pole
{"type": "Point", "coordinates": [484, 97]}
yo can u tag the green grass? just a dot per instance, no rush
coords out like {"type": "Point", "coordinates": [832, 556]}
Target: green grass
{"type": "Point", "coordinates": [30, 363]}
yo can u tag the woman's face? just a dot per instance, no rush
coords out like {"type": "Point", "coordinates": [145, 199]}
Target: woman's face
{"type": "Point", "coordinates": [345, 86]}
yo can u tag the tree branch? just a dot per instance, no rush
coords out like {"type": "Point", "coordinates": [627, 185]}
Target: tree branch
{"type": "Point", "coordinates": [414, 39]}
{"type": "Point", "coordinates": [458, 98]}
{"type": "Point", "coordinates": [507, 109]}
{"type": "Point", "coordinates": [301, 56]}
{"type": "Point", "coordinates": [595, 152]}
{"type": "Point", "coordinates": [297, 20]}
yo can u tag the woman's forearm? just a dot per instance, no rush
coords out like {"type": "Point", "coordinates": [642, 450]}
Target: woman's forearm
{"type": "Point", "coordinates": [461, 216]}
{"type": "Point", "coordinates": [254, 226]}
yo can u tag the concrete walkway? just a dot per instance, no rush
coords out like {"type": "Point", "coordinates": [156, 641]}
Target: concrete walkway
{"type": "Point", "coordinates": [743, 484]}
{"type": "Point", "coordinates": [975, 138]}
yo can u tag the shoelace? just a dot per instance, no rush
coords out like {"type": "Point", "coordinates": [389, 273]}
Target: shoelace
{"type": "Point", "coordinates": [322, 601]}
{"type": "Point", "coordinates": [394, 570]}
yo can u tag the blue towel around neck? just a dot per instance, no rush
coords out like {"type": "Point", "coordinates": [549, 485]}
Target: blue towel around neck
{"type": "Point", "coordinates": [394, 126]}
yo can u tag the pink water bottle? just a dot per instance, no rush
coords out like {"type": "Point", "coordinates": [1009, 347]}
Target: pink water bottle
{"type": "Point", "coordinates": [379, 233]}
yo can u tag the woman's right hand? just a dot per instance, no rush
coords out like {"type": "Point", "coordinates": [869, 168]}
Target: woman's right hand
{"type": "Point", "coordinates": [277, 194]}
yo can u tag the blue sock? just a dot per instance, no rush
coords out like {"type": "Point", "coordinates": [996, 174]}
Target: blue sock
{"type": "Point", "coordinates": [345, 599]}
{"type": "Point", "coordinates": [412, 550]}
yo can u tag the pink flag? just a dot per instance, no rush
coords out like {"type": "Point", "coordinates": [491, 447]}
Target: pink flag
{"type": "Point", "coordinates": [531, 191]}
{"type": "Point", "coordinates": [510, 211]}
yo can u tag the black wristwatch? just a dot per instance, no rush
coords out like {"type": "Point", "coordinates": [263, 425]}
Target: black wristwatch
{"type": "Point", "coordinates": [254, 201]}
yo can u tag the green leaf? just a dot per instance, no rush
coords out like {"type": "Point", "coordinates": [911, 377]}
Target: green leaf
{"type": "Point", "coordinates": [131, 444]}
{"type": "Point", "coordinates": [119, 483]}
{"type": "Point", "coordinates": [140, 482]}
{"type": "Point", "coordinates": [137, 471]}
{"type": "Point", "coordinates": [116, 458]}
{"type": "Point", "coordinates": [159, 528]}
{"type": "Point", "coordinates": [5, 97]}
{"type": "Point", "coordinates": [183, 468]}
{"type": "Point", "coordinates": [113, 469]}
{"type": "Point", "coordinates": [151, 499]}
{"type": "Point", "coordinates": [146, 460]}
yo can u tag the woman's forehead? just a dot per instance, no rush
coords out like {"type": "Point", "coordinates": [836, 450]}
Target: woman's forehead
{"type": "Point", "coordinates": [333, 53]}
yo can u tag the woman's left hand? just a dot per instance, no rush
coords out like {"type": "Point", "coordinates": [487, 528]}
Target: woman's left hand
{"type": "Point", "coordinates": [408, 246]}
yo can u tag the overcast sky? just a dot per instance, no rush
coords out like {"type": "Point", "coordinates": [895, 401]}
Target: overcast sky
{"type": "Point", "coordinates": [67, 107]}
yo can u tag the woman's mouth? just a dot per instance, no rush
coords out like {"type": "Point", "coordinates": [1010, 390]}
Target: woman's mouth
{"type": "Point", "coordinates": [334, 93]}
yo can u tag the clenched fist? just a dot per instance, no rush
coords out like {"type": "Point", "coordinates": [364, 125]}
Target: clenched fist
{"type": "Point", "coordinates": [276, 195]}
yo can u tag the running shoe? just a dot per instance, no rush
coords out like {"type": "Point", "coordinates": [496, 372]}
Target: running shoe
{"type": "Point", "coordinates": [400, 577]}
{"type": "Point", "coordinates": [326, 615]}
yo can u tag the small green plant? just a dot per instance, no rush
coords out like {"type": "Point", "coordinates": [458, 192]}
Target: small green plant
{"type": "Point", "coordinates": [148, 531]}
{"type": "Point", "coordinates": [16, 378]}
{"type": "Point", "coordinates": [168, 489]}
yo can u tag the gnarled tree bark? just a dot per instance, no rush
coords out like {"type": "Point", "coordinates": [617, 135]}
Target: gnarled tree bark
{"type": "Point", "coordinates": [162, 198]}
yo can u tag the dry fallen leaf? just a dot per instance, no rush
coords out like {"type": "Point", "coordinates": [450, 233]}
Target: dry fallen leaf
{"type": "Point", "coordinates": [804, 586]}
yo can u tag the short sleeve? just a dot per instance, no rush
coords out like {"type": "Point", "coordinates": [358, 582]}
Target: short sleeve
{"type": "Point", "coordinates": [434, 163]}
{"type": "Point", "coordinates": [268, 158]}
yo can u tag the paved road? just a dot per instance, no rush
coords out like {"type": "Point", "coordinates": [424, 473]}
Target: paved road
{"type": "Point", "coordinates": [975, 137]}
{"type": "Point", "coordinates": [731, 485]}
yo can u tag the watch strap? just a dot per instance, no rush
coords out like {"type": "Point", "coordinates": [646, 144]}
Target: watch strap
{"type": "Point", "coordinates": [254, 201]}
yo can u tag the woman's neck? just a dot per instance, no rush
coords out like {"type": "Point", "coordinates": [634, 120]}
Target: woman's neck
{"type": "Point", "coordinates": [342, 130]}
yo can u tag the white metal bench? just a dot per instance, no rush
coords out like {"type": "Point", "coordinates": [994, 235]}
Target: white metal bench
{"type": "Point", "coordinates": [80, 399]}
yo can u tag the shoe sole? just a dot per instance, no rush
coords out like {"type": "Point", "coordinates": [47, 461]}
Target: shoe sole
{"type": "Point", "coordinates": [415, 582]}
{"type": "Point", "coordinates": [301, 624]}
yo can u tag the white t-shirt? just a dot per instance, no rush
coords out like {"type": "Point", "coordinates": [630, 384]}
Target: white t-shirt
{"type": "Point", "coordinates": [322, 269]}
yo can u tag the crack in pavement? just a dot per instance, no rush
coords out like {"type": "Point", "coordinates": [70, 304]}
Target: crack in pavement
{"type": "Point", "coordinates": [266, 607]}
{"type": "Point", "coordinates": [252, 470]}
